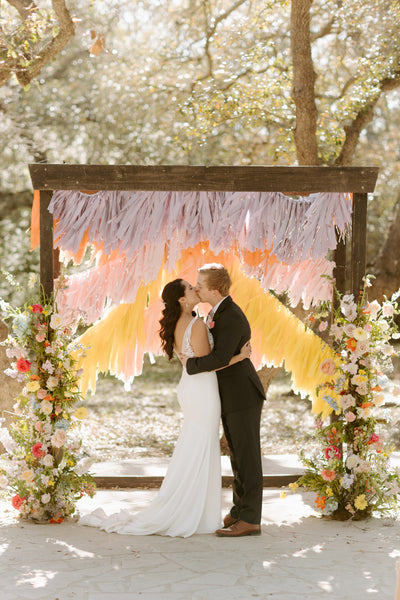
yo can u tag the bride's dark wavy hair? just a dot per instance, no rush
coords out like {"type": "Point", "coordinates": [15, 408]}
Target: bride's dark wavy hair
{"type": "Point", "coordinates": [171, 313]}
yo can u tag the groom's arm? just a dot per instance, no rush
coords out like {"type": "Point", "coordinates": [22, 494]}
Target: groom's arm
{"type": "Point", "coordinates": [229, 339]}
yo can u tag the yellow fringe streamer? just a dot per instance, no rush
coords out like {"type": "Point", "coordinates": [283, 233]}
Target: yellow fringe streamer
{"type": "Point", "coordinates": [117, 342]}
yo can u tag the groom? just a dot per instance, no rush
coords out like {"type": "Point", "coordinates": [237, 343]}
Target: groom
{"type": "Point", "coordinates": [242, 396]}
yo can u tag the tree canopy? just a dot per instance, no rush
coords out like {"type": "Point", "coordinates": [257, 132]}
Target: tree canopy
{"type": "Point", "coordinates": [211, 82]}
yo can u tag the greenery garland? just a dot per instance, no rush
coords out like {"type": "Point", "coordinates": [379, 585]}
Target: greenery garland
{"type": "Point", "coordinates": [351, 472]}
{"type": "Point", "coordinates": [42, 468]}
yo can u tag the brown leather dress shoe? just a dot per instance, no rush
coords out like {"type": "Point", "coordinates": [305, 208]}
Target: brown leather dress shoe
{"type": "Point", "coordinates": [229, 520]}
{"type": "Point", "coordinates": [239, 529]}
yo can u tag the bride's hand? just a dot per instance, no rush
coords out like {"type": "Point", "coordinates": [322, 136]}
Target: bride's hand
{"type": "Point", "coordinates": [245, 351]}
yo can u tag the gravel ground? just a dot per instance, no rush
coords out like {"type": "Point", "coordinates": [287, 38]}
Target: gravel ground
{"type": "Point", "coordinates": [145, 422]}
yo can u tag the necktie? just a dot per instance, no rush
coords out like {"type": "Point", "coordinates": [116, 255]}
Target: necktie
{"type": "Point", "coordinates": [210, 317]}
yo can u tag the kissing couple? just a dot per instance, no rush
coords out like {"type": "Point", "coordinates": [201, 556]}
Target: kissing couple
{"type": "Point", "coordinates": [218, 380]}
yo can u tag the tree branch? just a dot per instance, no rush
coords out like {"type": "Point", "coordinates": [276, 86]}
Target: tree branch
{"type": "Point", "coordinates": [23, 6]}
{"type": "Point", "coordinates": [58, 42]}
{"type": "Point", "coordinates": [303, 83]}
{"type": "Point", "coordinates": [362, 119]}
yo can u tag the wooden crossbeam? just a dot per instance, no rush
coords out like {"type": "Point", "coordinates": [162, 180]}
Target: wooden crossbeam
{"type": "Point", "coordinates": [214, 178]}
{"type": "Point", "coordinates": [109, 481]}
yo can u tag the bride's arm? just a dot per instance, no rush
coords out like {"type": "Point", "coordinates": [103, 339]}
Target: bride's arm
{"type": "Point", "coordinates": [245, 352]}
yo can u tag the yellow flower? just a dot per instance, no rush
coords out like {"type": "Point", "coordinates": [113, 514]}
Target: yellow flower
{"type": "Point", "coordinates": [360, 502]}
{"type": "Point", "coordinates": [51, 483]}
{"type": "Point", "coordinates": [283, 494]}
{"type": "Point", "coordinates": [293, 486]}
{"type": "Point", "coordinates": [70, 462]}
{"type": "Point", "coordinates": [328, 491]}
{"type": "Point", "coordinates": [81, 413]}
{"type": "Point", "coordinates": [32, 386]}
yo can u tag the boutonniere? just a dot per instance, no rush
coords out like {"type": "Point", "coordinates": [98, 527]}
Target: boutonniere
{"type": "Point", "coordinates": [211, 324]}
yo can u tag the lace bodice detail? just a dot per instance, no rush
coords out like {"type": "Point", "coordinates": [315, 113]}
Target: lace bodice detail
{"type": "Point", "coordinates": [187, 349]}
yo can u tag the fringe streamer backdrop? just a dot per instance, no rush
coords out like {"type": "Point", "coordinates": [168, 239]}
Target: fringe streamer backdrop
{"type": "Point", "coordinates": [141, 240]}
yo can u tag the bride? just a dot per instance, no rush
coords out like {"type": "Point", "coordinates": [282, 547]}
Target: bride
{"type": "Point", "coordinates": [189, 500]}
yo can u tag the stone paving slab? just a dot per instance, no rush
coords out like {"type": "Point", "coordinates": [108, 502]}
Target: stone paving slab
{"type": "Point", "coordinates": [298, 556]}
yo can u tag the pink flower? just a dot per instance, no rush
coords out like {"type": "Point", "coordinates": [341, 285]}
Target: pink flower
{"type": "Point", "coordinates": [350, 416]}
{"type": "Point", "coordinates": [37, 450]}
{"type": "Point", "coordinates": [17, 501]}
{"type": "Point", "coordinates": [42, 393]}
{"type": "Point", "coordinates": [211, 324]}
{"type": "Point", "coordinates": [332, 452]}
{"type": "Point", "coordinates": [387, 309]}
{"type": "Point", "coordinates": [328, 474]}
{"type": "Point", "coordinates": [38, 426]}
{"type": "Point", "coordinates": [323, 325]}
{"type": "Point", "coordinates": [23, 365]}
{"type": "Point", "coordinates": [328, 367]}
{"type": "Point", "coordinates": [37, 308]}
{"type": "Point", "coordinates": [40, 337]}
{"type": "Point", "coordinates": [373, 439]}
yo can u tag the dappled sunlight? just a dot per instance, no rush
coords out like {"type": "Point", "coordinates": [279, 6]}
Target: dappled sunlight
{"type": "Point", "coordinates": [72, 550]}
{"type": "Point", "coordinates": [37, 578]}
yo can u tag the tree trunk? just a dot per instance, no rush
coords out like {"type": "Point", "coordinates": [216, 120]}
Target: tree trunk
{"type": "Point", "coordinates": [303, 83]}
{"type": "Point", "coordinates": [386, 267]}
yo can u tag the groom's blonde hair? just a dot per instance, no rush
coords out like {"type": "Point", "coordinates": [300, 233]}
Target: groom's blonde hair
{"type": "Point", "coordinates": [217, 278]}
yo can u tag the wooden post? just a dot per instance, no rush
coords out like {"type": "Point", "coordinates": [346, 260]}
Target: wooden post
{"type": "Point", "coordinates": [46, 246]}
{"type": "Point", "coordinates": [339, 271]}
{"type": "Point", "coordinates": [358, 243]}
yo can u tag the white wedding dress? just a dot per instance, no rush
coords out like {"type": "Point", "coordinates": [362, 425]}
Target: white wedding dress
{"type": "Point", "coordinates": [189, 500]}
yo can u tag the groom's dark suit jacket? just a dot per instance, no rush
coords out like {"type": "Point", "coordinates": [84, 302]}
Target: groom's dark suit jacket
{"type": "Point", "coordinates": [239, 385]}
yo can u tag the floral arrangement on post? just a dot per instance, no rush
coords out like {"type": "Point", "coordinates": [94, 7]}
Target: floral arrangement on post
{"type": "Point", "coordinates": [351, 473]}
{"type": "Point", "coordinates": [41, 467]}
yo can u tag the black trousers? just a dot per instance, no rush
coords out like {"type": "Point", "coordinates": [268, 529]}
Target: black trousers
{"type": "Point", "coordinates": [242, 432]}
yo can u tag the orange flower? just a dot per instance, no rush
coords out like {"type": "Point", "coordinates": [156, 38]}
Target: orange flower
{"type": "Point", "coordinates": [46, 343]}
{"type": "Point", "coordinates": [351, 344]}
{"type": "Point", "coordinates": [49, 398]}
{"type": "Point", "coordinates": [367, 404]}
{"type": "Point", "coordinates": [320, 502]}
{"type": "Point", "coordinates": [35, 377]}
{"type": "Point", "coordinates": [377, 388]}
{"type": "Point", "coordinates": [56, 520]}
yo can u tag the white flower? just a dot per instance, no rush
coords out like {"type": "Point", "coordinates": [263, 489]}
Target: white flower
{"type": "Point", "coordinates": [350, 368]}
{"type": "Point", "coordinates": [352, 461]}
{"type": "Point", "coordinates": [47, 461]}
{"type": "Point", "coordinates": [45, 480]}
{"type": "Point", "coordinates": [362, 347]}
{"type": "Point", "coordinates": [46, 407]}
{"type": "Point", "coordinates": [7, 441]}
{"type": "Point", "coordinates": [28, 476]}
{"type": "Point", "coordinates": [336, 331]}
{"type": "Point", "coordinates": [3, 482]}
{"type": "Point", "coordinates": [373, 307]}
{"type": "Point", "coordinates": [347, 400]}
{"type": "Point", "coordinates": [52, 382]}
{"type": "Point", "coordinates": [347, 481]}
{"type": "Point", "coordinates": [45, 498]}
{"type": "Point", "coordinates": [362, 389]}
{"type": "Point", "coordinates": [59, 438]}
{"type": "Point", "coordinates": [84, 465]}
{"type": "Point", "coordinates": [387, 349]}
{"type": "Point", "coordinates": [363, 467]}
{"type": "Point", "coordinates": [387, 309]}
{"type": "Point", "coordinates": [56, 321]}
{"type": "Point", "coordinates": [32, 280]}
{"type": "Point", "coordinates": [360, 334]}
{"type": "Point", "coordinates": [47, 366]}
{"type": "Point", "coordinates": [349, 329]}
{"type": "Point", "coordinates": [383, 325]}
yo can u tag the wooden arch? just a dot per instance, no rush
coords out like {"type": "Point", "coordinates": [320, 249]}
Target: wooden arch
{"type": "Point", "coordinates": [290, 180]}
